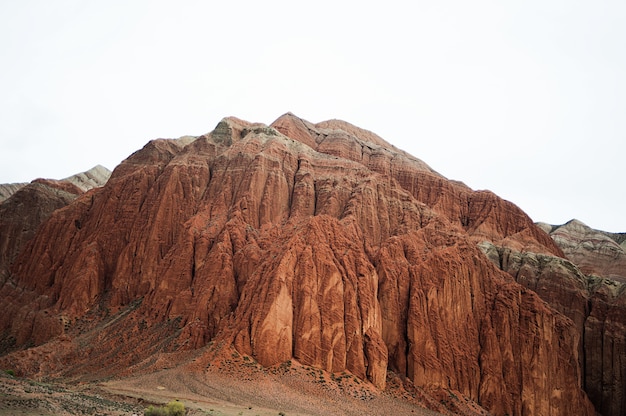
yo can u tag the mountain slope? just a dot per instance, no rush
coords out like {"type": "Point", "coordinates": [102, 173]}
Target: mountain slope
{"type": "Point", "coordinates": [8, 189]}
{"type": "Point", "coordinates": [31, 204]}
{"type": "Point", "coordinates": [595, 252]}
{"type": "Point", "coordinates": [591, 290]}
{"type": "Point", "coordinates": [588, 288]}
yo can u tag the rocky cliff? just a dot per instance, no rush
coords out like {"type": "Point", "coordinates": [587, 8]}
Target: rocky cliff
{"type": "Point", "coordinates": [600, 265]}
{"type": "Point", "coordinates": [588, 287]}
{"type": "Point", "coordinates": [319, 243]}
{"type": "Point", "coordinates": [27, 206]}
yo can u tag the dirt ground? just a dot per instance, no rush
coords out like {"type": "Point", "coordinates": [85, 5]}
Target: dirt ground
{"type": "Point", "coordinates": [292, 391]}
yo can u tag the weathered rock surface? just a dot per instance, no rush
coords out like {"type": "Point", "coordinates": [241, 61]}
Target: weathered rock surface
{"type": "Point", "coordinates": [8, 189]}
{"type": "Point", "coordinates": [30, 205]}
{"type": "Point", "coordinates": [93, 178]}
{"type": "Point", "coordinates": [315, 242]}
{"type": "Point", "coordinates": [594, 252]}
{"type": "Point", "coordinates": [481, 214]}
{"type": "Point", "coordinates": [600, 257]}
{"type": "Point", "coordinates": [596, 305]}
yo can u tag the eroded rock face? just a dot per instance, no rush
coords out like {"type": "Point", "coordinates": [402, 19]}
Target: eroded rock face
{"type": "Point", "coordinates": [594, 252]}
{"type": "Point", "coordinates": [481, 214]}
{"type": "Point", "coordinates": [320, 243]}
{"type": "Point", "coordinates": [8, 189]}
{"type": "Point", "coordinates": [25, 209]}
{"type": "Point", "coordinates": [605, 347]}
{"type": "Point", "coordinates": [596, 305]}
{"type": "Point", "coordinates": [601, 257]}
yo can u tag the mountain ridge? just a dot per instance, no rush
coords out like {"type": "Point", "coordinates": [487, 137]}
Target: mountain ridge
{"type": "Point", "coordinates": [594, 251]}
{"type": "Point", "coordinates": [31, 204]}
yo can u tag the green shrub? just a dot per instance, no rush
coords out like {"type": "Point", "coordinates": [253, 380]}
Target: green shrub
{"type": "Point", "coordinates": [155, 411]}
{"type": "Point", "coordinates": [173, 408]}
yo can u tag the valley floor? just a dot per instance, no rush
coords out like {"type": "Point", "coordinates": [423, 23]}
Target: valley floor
{"type": "Point", "coordinates": [288, 394]}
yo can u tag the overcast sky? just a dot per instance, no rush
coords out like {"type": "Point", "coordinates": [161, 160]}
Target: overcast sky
{"type": "Point", "coordinates": [524, 98]}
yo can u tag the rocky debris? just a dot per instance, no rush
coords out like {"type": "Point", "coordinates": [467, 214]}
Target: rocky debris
{"type": "Point", "coordinates": [23, 396]}
{"type": "Point", "coordinates": [328, 246]}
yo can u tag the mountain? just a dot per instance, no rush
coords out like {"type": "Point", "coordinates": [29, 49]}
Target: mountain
{"type": "Point", "coordinates": [317, 244]}
{"type": "Point", "coordinates": [587, 285]}
{"type": "Point", "coordinates": [94, 177]}
{"type": "Point", "coordinates": [27, 206]}
{"type": "Point", "coordinates": [8, 189]}
{"type": "Point", "coordinates": [596, 303]}
{"type": "Point", "coordinates": [594, 252]}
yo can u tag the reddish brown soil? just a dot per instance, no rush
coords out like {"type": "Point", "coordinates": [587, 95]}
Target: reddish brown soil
{"type": "Point", "coordinates": [284, 390]}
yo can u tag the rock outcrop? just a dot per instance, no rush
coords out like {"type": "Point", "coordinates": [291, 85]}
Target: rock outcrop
{"type": "Point", "coordinates": [320, 243]}
{"type": "Point", "coordinates": [481, 214]}
{"type": "Point", "coordinates": [93, 178]}
{"type": "Point", "coordinates": [596, 304]}
{"type": "Point", "coordinates": [8, 189]}
{"type": "Point", "coordinates": [31, 204]}
{"type": "Point", "coordinates": [595, 252]}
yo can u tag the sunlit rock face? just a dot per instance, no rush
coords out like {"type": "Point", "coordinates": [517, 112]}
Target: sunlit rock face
{"type": "Point", "coordinates": [320, 243]}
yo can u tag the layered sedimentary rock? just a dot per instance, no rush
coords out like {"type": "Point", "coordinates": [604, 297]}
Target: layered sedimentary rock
{"type": "Point", "coordinates": [93, 178]}
{"type": "Point", "coordinates": [594, 252]}
{"type": "Point", "coordinates": [31, 204]}
{"type": "Point", "coordinates": [595, 304]}
{"type": "Point", "coordinates": [320, 243]}
{"type": "Point", "coordinates": [481, 214]}
{"type": "Point", "coordinates": [598, 264]}
{"type": "Point", "coordinates": [8, 189]}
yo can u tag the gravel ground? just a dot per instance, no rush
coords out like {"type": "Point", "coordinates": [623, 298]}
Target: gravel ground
{"type": "Point", "coordinates": [237, 390]}
{"type": "Point", "coordinates": [30, 398]}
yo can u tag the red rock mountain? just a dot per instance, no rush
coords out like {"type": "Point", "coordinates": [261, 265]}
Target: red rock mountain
{"type": "Point", "coordinates": [592, 291]}
{"type": "Point", "coordinates": [319, 243]}
{"type": "Point", "coordinates": [24, 207]}
{"type": "Point", "coordinates": [8, 189]}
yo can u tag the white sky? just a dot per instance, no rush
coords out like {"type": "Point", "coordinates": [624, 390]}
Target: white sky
{"type": "Point", "coordinates": [524, 98]}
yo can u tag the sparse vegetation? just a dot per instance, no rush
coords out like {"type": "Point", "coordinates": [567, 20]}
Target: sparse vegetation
{"type": "Point", "coordinates": [173, 408]}
{"type": "Point", "coordinates": [10, 372]}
